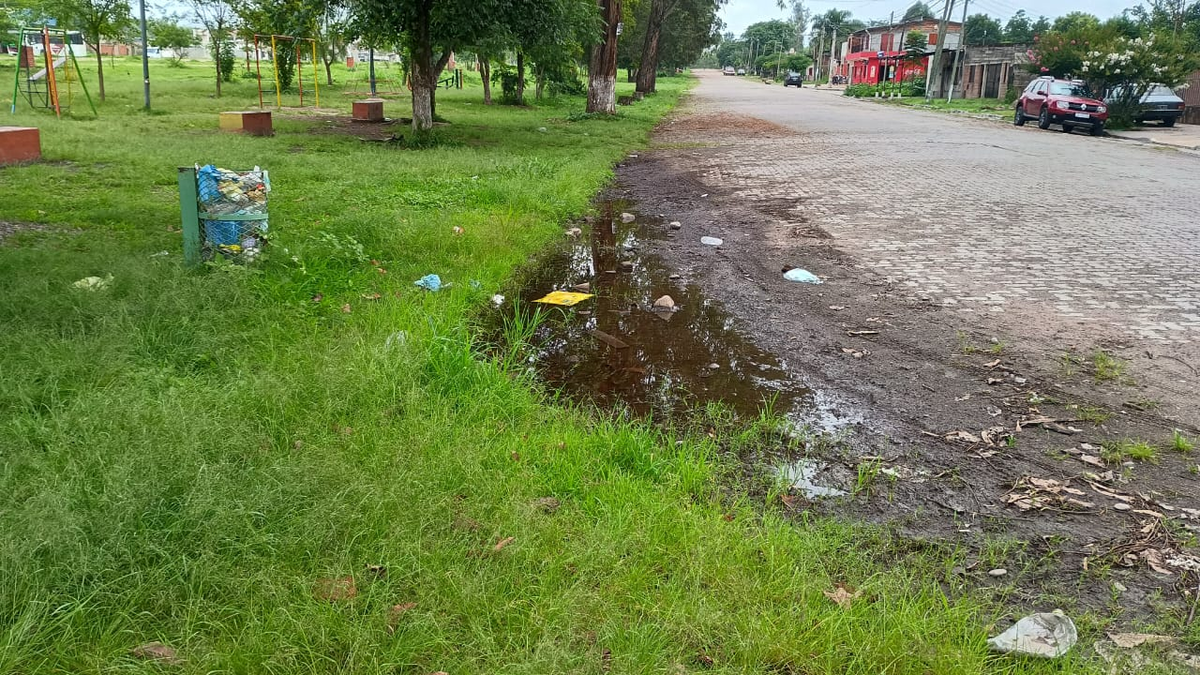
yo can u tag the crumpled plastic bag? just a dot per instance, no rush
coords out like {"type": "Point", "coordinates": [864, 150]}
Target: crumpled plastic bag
{"type": "Point", "coordinates": [430, 282]}
{"type": "Point", "coordinates": [1048, 635]}
{"type": "Point", "coordinates": [94, 283]}
{"type": "Point", "coordinates": [803, 276]}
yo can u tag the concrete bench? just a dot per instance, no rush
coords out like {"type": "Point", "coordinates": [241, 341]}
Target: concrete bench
{"type": "Point", "coordinates": [369, 110]}
{"type": "Point", "coordinates": [19, 144]}
{"type": "Point", "coordinates": [252, 122]}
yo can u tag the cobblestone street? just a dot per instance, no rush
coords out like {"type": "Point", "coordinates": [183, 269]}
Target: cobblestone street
{"type": "Point", "coordinates": [979, 216]}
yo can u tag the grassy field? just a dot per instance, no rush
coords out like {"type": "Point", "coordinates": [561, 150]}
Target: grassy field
{"type": "Point", "coordinates": [204, 458]}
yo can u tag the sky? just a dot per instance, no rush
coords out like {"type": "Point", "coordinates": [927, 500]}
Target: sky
{"type": "Point", "coordinates": [738, 14]}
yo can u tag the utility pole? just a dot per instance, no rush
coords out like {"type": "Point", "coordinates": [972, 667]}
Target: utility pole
{"type": "Point", "coordinates": [145, 57]}
{"type": "Point", "coordinates": [958, 55]}
{"type": "Point", "coordinates": [371, 69]}
{"type": "Point", "coordinates": [817, 61]}
{"type": "Point", "coordinates": [935, 61]}
{"type": "Point", "coordinates": [778, 57]}
{"type": "Point", "coordinates": [832, 51]}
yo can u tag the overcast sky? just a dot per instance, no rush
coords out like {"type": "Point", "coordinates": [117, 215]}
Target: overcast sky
{"type": "Point", "coordinates": [741, 13]}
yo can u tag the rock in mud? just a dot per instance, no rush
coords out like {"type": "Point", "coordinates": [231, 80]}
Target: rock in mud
{"type": "Point", "coordinates": [676, 225]}
{"type": "Point", "coordinates": [664, 303]}
{"type": "Point", "coordinates": [628, 218]}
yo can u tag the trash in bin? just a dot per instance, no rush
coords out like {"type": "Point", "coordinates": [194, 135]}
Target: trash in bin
{"type": "Point", "coordinates": [233, 210]}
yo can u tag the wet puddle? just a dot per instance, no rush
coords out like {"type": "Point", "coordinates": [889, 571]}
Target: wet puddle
{"type": "Point", "coordinates": [616, 350]}
{"type": "Point", "coordinates": [805, 475]}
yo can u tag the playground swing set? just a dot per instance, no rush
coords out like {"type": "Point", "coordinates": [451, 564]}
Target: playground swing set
{"type": "Point", "coordinates": [41, 87]}
{"type": "Point", "coordinates": [296, 43]}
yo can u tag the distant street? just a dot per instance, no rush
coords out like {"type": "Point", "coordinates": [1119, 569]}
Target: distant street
{"type": "Point", "coordinates": [1044, 235]}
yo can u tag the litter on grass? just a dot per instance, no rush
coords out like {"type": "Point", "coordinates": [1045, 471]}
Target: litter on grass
{"type": "Point", "coordinates": [94, 283]}
{"type": "Point", "coordinates": [1048, 635]}
{"type": "Point", "coordinates": [430, 282]}
{"type": "Point", "coordinates": [563, 298]}
{"type": "Point", "coordinates": [711, 241]}
{"type": "Point", "coordinates": [801, 276]}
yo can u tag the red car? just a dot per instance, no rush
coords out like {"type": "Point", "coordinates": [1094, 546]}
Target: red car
{"type": "Point", "coordinates": [1063, 102]}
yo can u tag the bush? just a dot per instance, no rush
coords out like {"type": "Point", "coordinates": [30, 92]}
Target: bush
{"type": "Point", "coordinates": [915, 87]}
{"type": "Point", "coordinates": [507, 79]}
{"type": "Point", "coordinates": [227, 60]}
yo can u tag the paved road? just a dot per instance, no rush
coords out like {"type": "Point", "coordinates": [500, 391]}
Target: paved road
{"type": "Point", "coordinates": [1050, 232]}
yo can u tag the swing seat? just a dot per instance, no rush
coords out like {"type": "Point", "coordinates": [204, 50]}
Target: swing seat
{"type": "Point", "coordinates": [251, 122]}
{"type": "Point", "coordinates": [19, 144]}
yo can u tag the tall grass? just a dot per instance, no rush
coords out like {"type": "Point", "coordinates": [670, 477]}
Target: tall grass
{"type": "Point", "coordinates": [185, 456]}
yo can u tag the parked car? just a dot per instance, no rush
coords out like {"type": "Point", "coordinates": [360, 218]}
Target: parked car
{"type": "Point", "coordinates": [1065, 102]}
{"type": "Point", "coordinates": [728, 70]}
{"type": "Point", "coordinates": [741, 71]}
{"type": "Point", "coordinates": [795, 79]}
{"type": "Point", "coordinates": [1160, 103]}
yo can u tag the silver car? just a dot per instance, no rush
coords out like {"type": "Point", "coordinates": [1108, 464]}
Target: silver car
{"type": "Point", "coordinates": [1159, 104]}
{"type": "Point", "coordinates": [1162, 104]}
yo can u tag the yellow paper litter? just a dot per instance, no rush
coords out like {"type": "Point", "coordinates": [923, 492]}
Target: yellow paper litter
{"type": "Point", "coordinates": [564, 298]}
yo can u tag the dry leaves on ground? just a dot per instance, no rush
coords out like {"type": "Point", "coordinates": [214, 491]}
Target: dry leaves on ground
{"type": "Point", "coordinates": [1032, 493]}
{"type": "Point", "coordinates": [336, 589]}
{"type": "Point", "coordinates": [157, 651]}
{"type": "Point", "coordinates": [502, 543]}
{"type": "Point", "coordinates": [842, 595]}
{"type": "Point", "coordinates": [395, 612]}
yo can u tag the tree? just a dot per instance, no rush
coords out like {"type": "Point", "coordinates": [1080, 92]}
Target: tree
{"type": "Point", "coordinates": [1123, 69]}
{"type": "Point", "coordinates": [983, 30]}
{"type": "Point", "coordinates": [96, 20]}
{"type": "Point", "coordinates": [217, 17]}
{"type": "Point", "coordinates": [1041, 26]}
{"type": "Point", "coordinates": [333, 36]}
{"type": "Point", "coordinates": [602, 61]}
{"type": "Point", "coordinates": [166, 33]}
{"type": "Point", "coordinates": [1075, 22]}
{"type": "Point", "coordinates": [678, 17]}
{"type": "Point", "coordinates": [918, 11]}
{"type": "Point", "coordinates": [1019, 29]}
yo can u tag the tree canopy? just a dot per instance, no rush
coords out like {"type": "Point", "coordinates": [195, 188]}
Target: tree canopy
{"type": "Point", "coordinates": [917, 11]}
{"type": "Point", "coordinates": [983, 30]}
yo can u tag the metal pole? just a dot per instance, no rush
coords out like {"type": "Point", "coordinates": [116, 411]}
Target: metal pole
{"type": "Point", "coordinates": [958, 55]}
{"type": "Point", "coordinates": [145, 56]}
{"type": "Point", "coordinates": [778, 56]}
{"type": "Point", "coordinates": [371, 67]}
{"type": "Point", "coordinates": [832, 51]}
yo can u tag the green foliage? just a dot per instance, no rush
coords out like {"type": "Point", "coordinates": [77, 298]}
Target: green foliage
{"type": "Point", "coordinates": [1115, 452]}
{"type": "Point", "coordinates": [1082, 22]}
{"type": "Point", "coordinates": [915, 43]}
{"type": "Point", "coordinates": [167, 33]}
{"type": "Point", "coordinates": [1180, 443]}
{"type": "Point", "coordinates": [1125, 69]}
{"type": "Point", "coordinates": [1019, 29]}
{"type": "Point", "coordinates": [917, 11]}
{"type": "Point", "coordinates": [508, 80]}
{"type": "Point", "coordinates": [906, 88]}
{"type": "Point", "coordinates": [983, 30]}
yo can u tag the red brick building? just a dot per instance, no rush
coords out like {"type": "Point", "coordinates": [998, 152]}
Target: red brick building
{"type": "Point", "coordinates": [876, 54]}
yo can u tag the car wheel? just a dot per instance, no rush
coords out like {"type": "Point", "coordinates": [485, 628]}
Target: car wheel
{"type": "Point", "coordinates": [1067, 128]}
{"type": "Point", "coordinates": [1098, 129]}
{"type": "Point", "coordinates": [1169, 122]}
{"type": "Point", "coordinates": [1019, 116]}
{"type": "Point", "coordinates": [1044, 119]}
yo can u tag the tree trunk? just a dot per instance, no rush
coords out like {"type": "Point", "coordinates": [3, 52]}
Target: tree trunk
{"type": "Point", "coordinates": [99, 70]}
{"type": "Point", "coordinates": [520, 77]}
{"type": "Point", "coordinates": [424, 77]}
{"type": "Point", "coordinates": [217, 57]}
{"type": "Point", "coordinates": [602, 62]}
{"type": "Point", "coordinates": [485, 73]}
{"type": "Point", "coordinates": [648, 67]}
{"type": "Point", "coordinates": [541, 81]}
{"type": "Point", "coordinates": [328, 72]}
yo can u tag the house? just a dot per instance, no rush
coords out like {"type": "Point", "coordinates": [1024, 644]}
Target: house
{"type": "Point", "coordinates": [874, 55]}
{"type": "Point", "coordinates": [991, 72]}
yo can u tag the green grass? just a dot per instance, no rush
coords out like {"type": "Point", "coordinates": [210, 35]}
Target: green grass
{"type": "Point", "coordinates": [1106, 367]}
{"type": "Point", "coordinates": [971, 105]}
{"type": "Point", "coordinates": [185, 456]}
{"type": "Point", "coordinates": [1181, 443]}
{"type": "Point", "coordinates": [1118, 451]}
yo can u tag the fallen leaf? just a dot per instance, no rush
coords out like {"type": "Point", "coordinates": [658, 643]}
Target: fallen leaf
{"type": "Point", "coordinates": [157, 651]}
{"type": "Point", "coordinates": [995, 436]}
{"type": "Point", "coordinates": [1153, 514]}
{"type": "Point", "coordinates": [1154, 559]}
{"type": "Point", "coordinates": [318, 297]}
{"type": "Point", "coordinates": [546, 504]}
{"type": "Point", "coordinates": [842, 595]}
{"type": "Point", "coordinates": [394, 614]}
{"type": "Point", "coordinates": [964, 436]}
{"type": "Point", "coordinates": [992, 364]}
{"type": "Point", "coordinates": [381, 270]}
{"type": "Point", "coordinates": [606, 660]}
{"type": "Point", "coordinates": [457, 231]}
{"type": "Point", "coordinates": [371, 296]}
{"type": "Point", "coordinates": [502, 543]}
{"type": "Point", "coordinates": [336, 589]}
{"type": "Point", "coordinates": [790, 501]}
{"type": "Point", "coordinates": [705, 660]}
{"type": "Point", "coordinates": [728, 517]}
{"type": "Point", "coordinates": [516, 456]}
{"type": "Point", "coordinates": [346, 308]}
{"type": "Point", "coordinates": [994, 380]}
{"type": "Point", "coordinates": [1093, 460]}
{"type": "Point", "coordinates": [1131, 640]}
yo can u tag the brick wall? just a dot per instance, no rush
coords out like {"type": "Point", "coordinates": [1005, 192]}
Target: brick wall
{"type": "Point", "coordinates": [990, 71]}
{"type": "Point", "coordinates": [1191, 99]}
